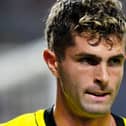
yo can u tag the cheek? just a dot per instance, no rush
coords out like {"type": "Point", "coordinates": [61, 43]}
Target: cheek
{"type": "Point", "coordinates": [85, 75]}
{"type": "Point", "coordinates": [79, 77]}
{"type": "Point", "coordinates": [79, 71]}
{"type": "Point", "coordinates": [75, 76]}
{"type": "Point", "coordinates": [116, 77]}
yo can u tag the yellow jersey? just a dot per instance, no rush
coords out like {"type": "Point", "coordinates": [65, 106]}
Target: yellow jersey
{"type": "Point", "coordinates": [29, 119]}
{"type": "Point", "coordinates": [45, 118]}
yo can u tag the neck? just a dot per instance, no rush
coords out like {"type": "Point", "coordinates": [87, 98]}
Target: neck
{"type": "Point", "coordinates": [64, 117]}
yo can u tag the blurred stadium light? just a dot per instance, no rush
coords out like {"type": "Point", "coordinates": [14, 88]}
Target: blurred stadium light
{"type": "Point", "coordinates": [25, 82]}
{"type": "Point", "coordinates": [21, 63]}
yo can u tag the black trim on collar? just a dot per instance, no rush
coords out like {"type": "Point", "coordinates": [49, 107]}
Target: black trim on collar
{"type": "Point", "coordinates": [49, 118]}
{"type": "Point", "coordinates": [119, 121]}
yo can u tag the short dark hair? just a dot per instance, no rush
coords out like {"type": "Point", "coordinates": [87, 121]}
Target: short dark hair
{"type": "Point", "coordinates": [96, 16]}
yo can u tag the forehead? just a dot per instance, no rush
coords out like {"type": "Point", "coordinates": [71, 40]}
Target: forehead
{"type": "Point", "coordinates": [101, 46]}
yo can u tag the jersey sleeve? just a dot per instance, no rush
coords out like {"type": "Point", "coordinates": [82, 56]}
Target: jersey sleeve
{"type": "Point", "coordinates": [124, 119]}
{"type": "Point", "coordinates": [30, 119]}
{"type": "Point", "coordinates": [23, 120]}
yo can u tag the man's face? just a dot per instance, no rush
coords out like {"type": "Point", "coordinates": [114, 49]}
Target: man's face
{"type": "Point", "coordinates": [90, 75]}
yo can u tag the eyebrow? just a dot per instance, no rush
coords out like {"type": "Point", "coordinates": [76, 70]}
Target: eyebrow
{"type": "Point", "coordinates": [88, 55]}
{"type": "Point", "coordinates": [120, 56]}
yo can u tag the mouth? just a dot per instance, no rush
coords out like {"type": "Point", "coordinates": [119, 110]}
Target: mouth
{"type": "Point", "coordinates": [98, 96]}
{"type": "Point", "coordinates": [98, 93]}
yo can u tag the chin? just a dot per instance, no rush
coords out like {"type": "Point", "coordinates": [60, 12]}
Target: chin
{"type": "Point", "coordinates": [96, 110]}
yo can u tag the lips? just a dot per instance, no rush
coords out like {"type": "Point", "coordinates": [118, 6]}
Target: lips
{"type": "Point", "coordinates": [98, 96]}
{"type": "Point", "coordinates": [98, 93]}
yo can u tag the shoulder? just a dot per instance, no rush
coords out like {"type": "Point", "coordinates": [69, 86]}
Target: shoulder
{"type": "Point", "coordinates": [120, 121]}
{"type": "Point", "coordinates": [28, 119]}
{"type": "Point", "coordinates": [124, 119]}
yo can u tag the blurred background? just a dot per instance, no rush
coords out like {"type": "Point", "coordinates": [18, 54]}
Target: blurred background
{"type": "Point", "coordinates": [25, 81]}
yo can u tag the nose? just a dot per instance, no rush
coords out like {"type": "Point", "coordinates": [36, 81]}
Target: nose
{"type": "Point", "coordinates": [101, 75]}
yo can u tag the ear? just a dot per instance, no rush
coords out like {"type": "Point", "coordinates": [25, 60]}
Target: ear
{"type": "Point", "coordinates": [51, 61]}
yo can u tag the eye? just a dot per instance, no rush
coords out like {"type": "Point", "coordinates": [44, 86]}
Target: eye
{"type": "Point", "coordinates": [89, 60]}
{"type": "Point", "coordinates": [115, 62]}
